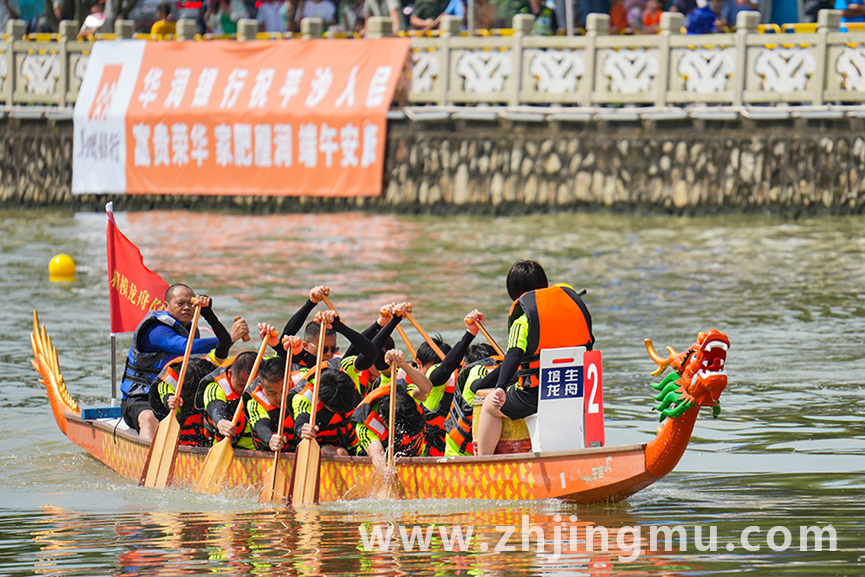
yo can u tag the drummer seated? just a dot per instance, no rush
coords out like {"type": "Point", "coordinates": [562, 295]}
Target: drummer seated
{"type": "Point", "coordinates": [334, 430]}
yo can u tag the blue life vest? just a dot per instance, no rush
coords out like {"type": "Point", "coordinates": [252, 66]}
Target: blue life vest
{"type": "Point", "coordinates": [142, 368]}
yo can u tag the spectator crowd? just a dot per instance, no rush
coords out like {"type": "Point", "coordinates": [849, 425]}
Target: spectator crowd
{"type": "Point", "coordinates": [349, 17]}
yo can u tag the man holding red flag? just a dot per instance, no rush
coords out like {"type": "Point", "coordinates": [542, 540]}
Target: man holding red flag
{"type": "Point", "coordinates": [160, 335]}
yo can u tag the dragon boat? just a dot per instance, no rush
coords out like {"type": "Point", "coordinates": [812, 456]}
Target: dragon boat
{"type": "Point", "coordinates": [697, 379]}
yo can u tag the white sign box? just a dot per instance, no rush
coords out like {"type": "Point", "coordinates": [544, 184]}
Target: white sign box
{"type": "Point", "coordinates": [559, 424]}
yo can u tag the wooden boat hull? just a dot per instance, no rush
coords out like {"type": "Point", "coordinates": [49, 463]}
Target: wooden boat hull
{"type": "Point", "coordinates": [584, 476]}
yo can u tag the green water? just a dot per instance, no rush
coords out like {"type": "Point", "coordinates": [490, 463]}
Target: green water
{"type": "Point", "coordinates": [788, 450]}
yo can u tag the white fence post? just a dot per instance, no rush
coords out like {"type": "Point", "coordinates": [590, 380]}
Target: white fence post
{"type": "Point", "coordinates": [827, 21]}
{"type": "Point", "coordinates": [671, 23]}
{"type": "Point", "coordinates": [746, 23]}
{"type": "Point", "coordinates": [596, 25]}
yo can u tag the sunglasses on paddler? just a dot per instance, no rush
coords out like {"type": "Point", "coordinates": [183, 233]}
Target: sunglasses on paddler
{"type": "Point", "coordinates": [326, 350]}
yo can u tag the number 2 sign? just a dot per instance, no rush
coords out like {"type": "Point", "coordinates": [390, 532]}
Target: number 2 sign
{"type": "Point", "coordinates": [593, 399]}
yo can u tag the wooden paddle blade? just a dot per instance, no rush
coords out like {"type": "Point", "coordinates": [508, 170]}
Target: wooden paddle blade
{"type": "Point", "coordinates": [159, 465]}
{"type": "Point", "coordinates": [304, 478]}
{"type": "Point", "coordinates": [390, 488]}
{"type": "Point", "coordinates": [275, 487]}
{"type": "Point", "coordinates": [365, 489]}
{"type": "Point", "coordinates": [379, 485]}
{"type": "Point", "coordinates": [215, 468]}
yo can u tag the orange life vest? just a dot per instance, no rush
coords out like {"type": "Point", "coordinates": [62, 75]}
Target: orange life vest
{"type": "Point", "coordinates": [192, 429]}
{"type": "Point", "coordinates": [220, 377]}
{"type": "Point", "coordinates": [367, 413]}
{"type": "Point", "coordinates": [458, 425]}
{"type": "Point", "coordinates": [557, 318]}
{"type": "Point", "coordinates": [273, 414]}
{"type": "Point", "coordinates": [333, 428]}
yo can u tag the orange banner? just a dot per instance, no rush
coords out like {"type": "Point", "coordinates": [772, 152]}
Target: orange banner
{"type": "Point", "coordinates": [298, 117]}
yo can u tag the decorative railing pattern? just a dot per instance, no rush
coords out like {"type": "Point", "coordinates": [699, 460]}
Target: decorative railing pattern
{"type": "Point", "coordinates": [819, 65]}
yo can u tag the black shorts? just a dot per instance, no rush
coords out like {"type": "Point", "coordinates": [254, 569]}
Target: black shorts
{"type": "Point", "coordinates": [131, 407]}
{"type": "Point", "coordinates": [520, 403]}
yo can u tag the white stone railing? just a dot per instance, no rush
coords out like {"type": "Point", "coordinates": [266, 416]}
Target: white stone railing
{"type": "Point", "coordinates": [569, 74]}
{"type": "Point", "coordinates": [670, 68]}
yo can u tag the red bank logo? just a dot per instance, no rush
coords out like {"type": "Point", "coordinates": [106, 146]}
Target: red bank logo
{"type": "Point", "coordinates": [107, 88]}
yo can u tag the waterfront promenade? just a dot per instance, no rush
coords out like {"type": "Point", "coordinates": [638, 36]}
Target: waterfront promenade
{"type": "Point", "coordinates": [743, 120]}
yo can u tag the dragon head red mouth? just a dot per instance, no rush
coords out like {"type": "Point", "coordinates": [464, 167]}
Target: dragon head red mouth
{"type": "Point", "coordinates": [703, 374]}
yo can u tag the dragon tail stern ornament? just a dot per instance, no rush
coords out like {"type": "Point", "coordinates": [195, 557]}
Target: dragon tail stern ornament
{"type": "Point", "coordinates": [698, 376]}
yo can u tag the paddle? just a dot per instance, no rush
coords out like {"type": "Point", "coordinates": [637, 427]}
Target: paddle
{"type": "Point", "coordinates": [275, 486]}
{"type": "Point", "coordinates": [425, 336]}
{"type": "Point", "coordinates": [406, 341]}
{"type": "Point", "coordinates": [219, 457]}
{"type": "Point", "coordinates": [159, 465]}
{"type": "Point", "coordinates": [382, 484]}
{"type": "Point", "coordinates": [391, 488]}
{"type": "Point", "coordinates": [307, 458]}
{"type": "Point", "coordinates": [488, 336]}
{"type": "Point", "coordinates": [328, 303]}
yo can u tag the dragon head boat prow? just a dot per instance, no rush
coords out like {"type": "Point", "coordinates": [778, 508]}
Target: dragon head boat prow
{"type": "Point", "coordinates": [697, 380]}
{"type": "Point", "coordinates": [699, 375]}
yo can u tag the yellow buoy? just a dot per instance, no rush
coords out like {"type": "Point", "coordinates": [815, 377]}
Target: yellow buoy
{"type": "Point", "coordinates": [61, 269]}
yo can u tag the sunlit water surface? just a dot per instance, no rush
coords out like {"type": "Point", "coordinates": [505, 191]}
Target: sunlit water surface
{"type": "Point", "coordinates": [788, 450]}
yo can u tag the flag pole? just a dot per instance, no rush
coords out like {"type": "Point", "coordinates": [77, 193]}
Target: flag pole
{"type": "Point", "coordinates": [114, 402]}
{"type": "Point", "coordinates": [109, 208]}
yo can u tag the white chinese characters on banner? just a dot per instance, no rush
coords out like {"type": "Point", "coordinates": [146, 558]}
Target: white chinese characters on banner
{"type": "Point", "coordinates": [222, 118]}
{"type": "Point", "coordinates": [178, 88]}
{"type": "Point", "coordinates": [204, 88]}
{"type": "Point", "coordinates": [152, 83]}
{"type": "Point", "coordinates": [261, 145]}
{"type": "Point", "coordinates": [318, 87]}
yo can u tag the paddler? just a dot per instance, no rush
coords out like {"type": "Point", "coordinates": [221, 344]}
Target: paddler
{"type": "Point", "coordinates": [541, 317]}
{"type": "Point", "coordinates": [310, 333]}
{"type": "Point", "coordinates": [163, 399]}
{"type": "Point", "coordinates": [218, 395]}
{"type": "Point", "coordinates": [337, 398]}
{"type": "Point", "coordinates": [442, 376]}
{"type": "Point", "coordinates": [371, 416]}
{"type": "Point", "coordinates": [480, 372]}
{"type": "Point", "coordinates": [263, 406]}
{"type": "Point", "coordinates": [338, 391]}
{"type": "Point", "coordinates": [366, 378]}
{"type": "Point", "coordinates": [160, 337]}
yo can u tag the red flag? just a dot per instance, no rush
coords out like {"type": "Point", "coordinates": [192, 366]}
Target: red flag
{"type": "Point", "coordinates": [133, 289]}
